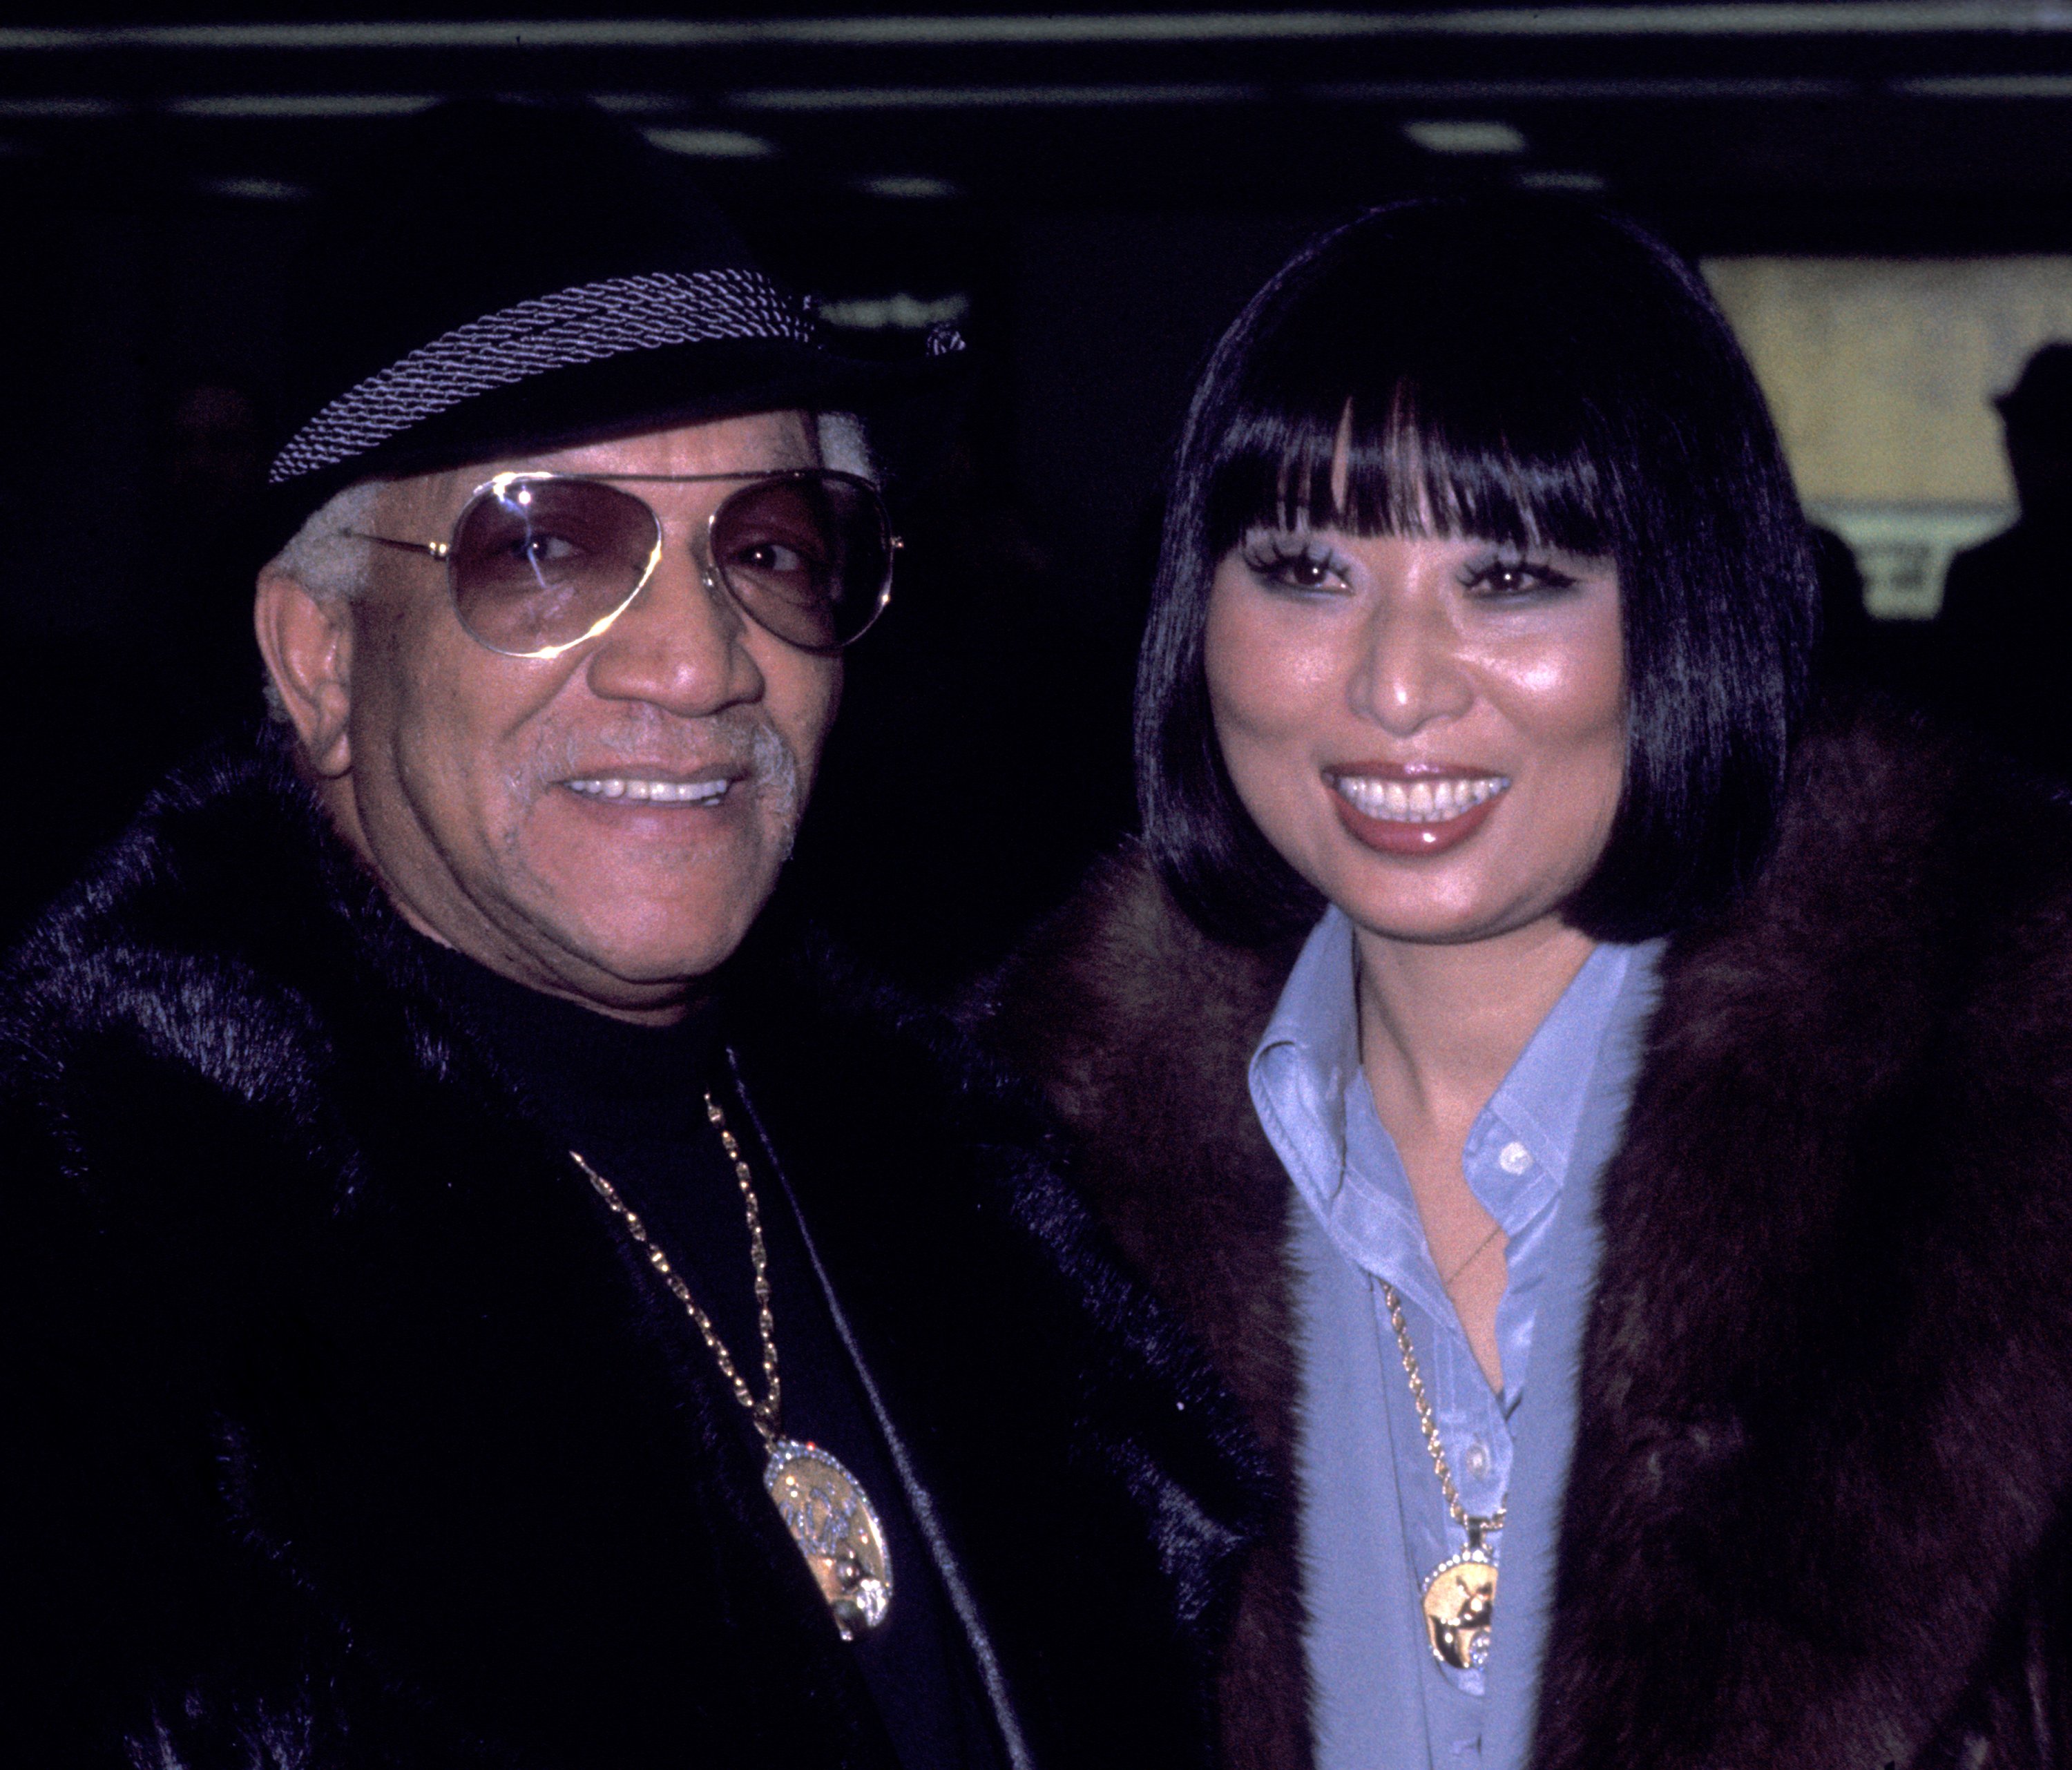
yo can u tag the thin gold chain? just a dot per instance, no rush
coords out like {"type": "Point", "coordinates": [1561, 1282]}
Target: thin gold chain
{"type": "Point", "coordinates": [762, 1412]}
{"type": "Point", "coordinates": [1429, 1425]}
{"type": "Point", "coordinates": [1481, 1248]}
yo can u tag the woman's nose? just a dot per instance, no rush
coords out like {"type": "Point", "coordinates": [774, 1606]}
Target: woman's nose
{"type": "Point", "coordinates": [681, 645]}
{"type": "Point", "coordinates": [1411, 670]}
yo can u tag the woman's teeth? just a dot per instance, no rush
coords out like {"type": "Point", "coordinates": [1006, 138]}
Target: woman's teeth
{"type": "Point", "coordinates": [1426, 801]}
{"type": "Point", "coordinates": [622, 786]}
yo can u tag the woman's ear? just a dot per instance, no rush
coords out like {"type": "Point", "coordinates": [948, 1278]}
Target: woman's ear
{"type": "Point", "coordinates": [307, 641]}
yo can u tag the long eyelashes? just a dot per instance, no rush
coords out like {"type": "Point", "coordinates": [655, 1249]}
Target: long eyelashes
{"type": "Point", "coordinates": [1292, 563]}
{"type": "Point", "coordinates": [1505, 579]}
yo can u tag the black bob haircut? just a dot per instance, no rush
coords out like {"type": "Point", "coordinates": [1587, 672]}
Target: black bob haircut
{"type": "Point", "coordinates": [1521, 370]}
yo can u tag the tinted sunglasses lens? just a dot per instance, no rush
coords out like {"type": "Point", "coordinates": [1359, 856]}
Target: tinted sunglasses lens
{"type": "Point", "coordinates": [809, 558]}
{"type": "Point", "coordinates": [537, 563]}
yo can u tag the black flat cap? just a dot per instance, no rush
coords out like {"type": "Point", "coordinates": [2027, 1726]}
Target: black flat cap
{"type": "Point", "coordinates": [504, 277]}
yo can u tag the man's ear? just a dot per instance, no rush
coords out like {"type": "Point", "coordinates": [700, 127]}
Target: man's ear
{"type": "Point", "coordinates": [307, 644]}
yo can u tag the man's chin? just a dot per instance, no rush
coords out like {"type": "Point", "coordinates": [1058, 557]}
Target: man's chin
{"type": "Point", "coordinates": [609, 925]}
{"type": "Point", "coordinates": [625, 867]}
{"type": "Point", "coordinates": [613, 958]}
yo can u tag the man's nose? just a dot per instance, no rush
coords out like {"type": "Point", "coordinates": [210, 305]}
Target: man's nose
{"type": "Point", "coordinates": [680, 646]}
{"type": "Point", "coordinates": [1411, 670]}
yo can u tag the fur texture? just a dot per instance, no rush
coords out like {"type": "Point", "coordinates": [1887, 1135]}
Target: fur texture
{"type": "Point", "coordinates": [347, 1431]}
{"type": "Point", "coordinates": [1818, 1513]}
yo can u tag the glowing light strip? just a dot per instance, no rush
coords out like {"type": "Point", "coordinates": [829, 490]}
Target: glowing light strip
{"type": "Point", "coordinates": [893, 98]}
{"type": "Point", "coordinates": [719, 143]}
{"type": "Point", "coordinates": [1640, 89]}
{"type": "Point", "coordinates": [1986, 86]}
{"type": "Point", "coordinates": [293, 104]}
{"type": "Point", "coordinates": [1760, 18]}
{"type": "Point", "coordinates": [919, 98]}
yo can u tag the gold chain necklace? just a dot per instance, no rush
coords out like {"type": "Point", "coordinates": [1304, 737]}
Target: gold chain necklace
{"type": "Point", "coordinates": [1460, 1597]}
{"type": "Point", "coordinates": [823, 1506]}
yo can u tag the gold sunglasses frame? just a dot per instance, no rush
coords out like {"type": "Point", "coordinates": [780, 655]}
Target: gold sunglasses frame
{"type": "Point", "coordinates": [709, 573]}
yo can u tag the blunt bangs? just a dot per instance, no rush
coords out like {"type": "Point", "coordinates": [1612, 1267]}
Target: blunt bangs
{"type": "Point", "coordinates": [1404, 473]}
{"type": "Point", "coordinates": [1532, 372]}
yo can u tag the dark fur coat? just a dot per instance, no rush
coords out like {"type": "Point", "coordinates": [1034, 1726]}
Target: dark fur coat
{"type": "Point", "coordinates": [1818, 1509]}
{"type": "Point", "coordinates": [343, 1429]}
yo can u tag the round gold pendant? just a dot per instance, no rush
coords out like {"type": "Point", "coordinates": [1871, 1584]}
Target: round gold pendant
{"type": "Point", "coordinates": [1460, 1598]}
{"type": "Point", "coordinates": [830, 1518]}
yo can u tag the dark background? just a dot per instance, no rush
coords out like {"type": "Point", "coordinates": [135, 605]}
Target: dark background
{"type": "Point", "coordinates": [1096, 192]}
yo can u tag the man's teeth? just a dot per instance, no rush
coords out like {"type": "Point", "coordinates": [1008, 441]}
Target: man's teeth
{"type": "Point", "coordinates": [1428, 801]}
{"type": "Point", "coordinates": [625, 786]}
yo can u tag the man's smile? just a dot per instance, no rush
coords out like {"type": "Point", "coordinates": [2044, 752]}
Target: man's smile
{"type": "Point", "coordinates": [652, 790]}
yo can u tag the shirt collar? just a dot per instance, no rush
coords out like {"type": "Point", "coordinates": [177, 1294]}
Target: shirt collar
{"type": "Point", "coordinates": [1310, 1050]}
{"type": "Point", "coordinates": [1540, 1103]}
{"type": "Point", "coordinates": [1317, 1015]}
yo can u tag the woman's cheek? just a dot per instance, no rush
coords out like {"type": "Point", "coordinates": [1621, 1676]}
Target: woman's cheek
{"type": "Point", "coordinates": [1265, 669]}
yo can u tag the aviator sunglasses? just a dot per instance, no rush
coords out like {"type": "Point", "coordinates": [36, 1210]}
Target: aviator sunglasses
{"type": "Point", "coordinates": [540, 562]}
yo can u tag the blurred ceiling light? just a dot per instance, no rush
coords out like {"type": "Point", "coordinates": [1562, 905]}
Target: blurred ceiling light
{"type": "Point", "coordinates": [1985, 86]}
{"type": "Point", "coordinates": [638, 104]}
{"type": "Point", "coordinates": [1465, 136]}
{"type": "Point", "coordinates": [1677, 18]}
{"type": "Point", "coordinates": [916, 98]}
{"type": "Point", "coordinates": [1551, 180]}
{"type": "Point", "coordinates": [35, 108]}
{"type": "Point", "coordinates": [908, 187]}
{"type": "Point", "coordinates": [310, 105]}
{"type": "Point", "coordinates": [255, 190]}
{"type": "Point", "coordinates": [1642, 88]}
{"type": "Point", "coordinates": [712, 144]}
{"type": "Point", "coordinates": [901, 312]}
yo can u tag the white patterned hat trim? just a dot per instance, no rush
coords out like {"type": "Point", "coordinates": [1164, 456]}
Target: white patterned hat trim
{"type": "Point", "coordinates": [587, 324]}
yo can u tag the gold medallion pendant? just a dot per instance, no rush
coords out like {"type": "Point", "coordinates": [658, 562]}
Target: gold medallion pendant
{"type": "Point", "coordinates": [1460, 1600]}
{"type": "Point", "coordinates": [830, 1518]}
{"type": "Point", "coordinates": [823, 1506]}
{"type": "Point", "coordinates": [1460, 1597]}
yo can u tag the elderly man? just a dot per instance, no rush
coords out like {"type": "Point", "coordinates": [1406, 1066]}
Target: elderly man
{"type": "Point", "coordinates": [468, 1301]}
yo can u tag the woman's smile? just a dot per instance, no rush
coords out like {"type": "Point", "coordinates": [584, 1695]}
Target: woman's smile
{"type": "Point", "coordinates": [1431, 730]}
{"type": "Point", "coordinates": [1396, 810]}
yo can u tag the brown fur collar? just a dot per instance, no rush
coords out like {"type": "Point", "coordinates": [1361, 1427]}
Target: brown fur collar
{"type": "Point", "coordinates": [1819, 1507]}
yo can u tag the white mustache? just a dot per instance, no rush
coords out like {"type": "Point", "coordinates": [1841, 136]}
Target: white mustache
{"type": "Point", "coordinates": [740, 742]}
{"type": "Point", "coordinates": [737, 741]}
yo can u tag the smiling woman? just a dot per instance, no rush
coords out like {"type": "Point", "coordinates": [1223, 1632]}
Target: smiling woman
{"type": "Point", "coordinates": [1528, 1047]}
{"type": "Point", "coordinates": [1495, 376]}
{"type": "Point", "coordinates": [1383, 696]}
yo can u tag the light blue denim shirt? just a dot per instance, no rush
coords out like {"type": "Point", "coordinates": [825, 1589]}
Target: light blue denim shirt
{"type": "Point", "coordinates": [1373, 1521]}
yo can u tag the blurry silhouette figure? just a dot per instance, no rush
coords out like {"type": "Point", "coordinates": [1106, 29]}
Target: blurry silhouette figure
{"type": "Point", "coordinates": [1846, 637]}
{"type": "Point", "coordinates": [181, 666]}
{"type": "Point", "coordinates": [215, 456]}
{"type": "Point", "coordinates": [2004, 649]}
{"type": "Point", "coordinates": [983, 690]}
{"type": "Point", "coordinates": [217, 459]}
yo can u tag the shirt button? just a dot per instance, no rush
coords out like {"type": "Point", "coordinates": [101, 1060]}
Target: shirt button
{"type": "Point", "coordinates": [1476, 1459]}
{"type": "Point", "coordinates": [1514, 1158]}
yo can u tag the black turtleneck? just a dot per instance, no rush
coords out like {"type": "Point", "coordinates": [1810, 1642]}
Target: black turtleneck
{"type": "Point", "coordinates": [632, 1099]}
